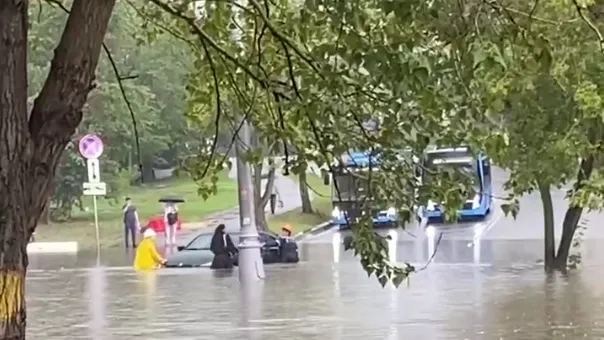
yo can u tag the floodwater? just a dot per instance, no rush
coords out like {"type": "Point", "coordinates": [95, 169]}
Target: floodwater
{"type": "Point", "coordinates": [472, 289]}
{"type": "Point", "coordinates": [484, 282]}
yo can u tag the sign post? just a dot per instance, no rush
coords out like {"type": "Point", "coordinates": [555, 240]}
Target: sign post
{"type": "Point", "coordinates": [91, 148]}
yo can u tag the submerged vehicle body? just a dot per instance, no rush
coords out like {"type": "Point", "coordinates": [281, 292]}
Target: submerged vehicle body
{"type": "Point", "coordinates": [477, 166]}
{"type": "Point", "coordinates": [349, 197]}
{"type": "Point", "coordinates": [197, 253]}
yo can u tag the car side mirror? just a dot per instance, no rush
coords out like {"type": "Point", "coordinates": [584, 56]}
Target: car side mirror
{"type": "Point", "coordinates": [180, 248]}
{"type": "Point", "coordinates": [326, 179]}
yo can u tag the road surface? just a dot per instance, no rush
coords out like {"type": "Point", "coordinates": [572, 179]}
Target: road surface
{"type": "Point", "coordinates": [288, 190]}
{"type": "Point", "coordinates": [483, 242]}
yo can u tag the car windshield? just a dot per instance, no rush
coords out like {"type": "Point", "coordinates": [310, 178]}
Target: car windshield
{"type": "Point", "coordinates": [349, 187]}
{"type": "Point", "coordinates": [203, 241]}
{"type": "Point", "coordinates": [200, 242]}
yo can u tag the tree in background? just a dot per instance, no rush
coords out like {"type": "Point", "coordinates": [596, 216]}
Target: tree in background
{"type": "Point", "coordinates": [69, 177]}
{"type": "Point", "coordinates": [312, 84]}
{"type": "Point", "coordinates": [33, 142]}
{"type": "Point", "coordinates": [530, 76]}
{"type": "Point", "coordinates": [309, 74]}
{"type": "Point", "coordinates": [153, 77]}
{"type": "Point", "coordinates": [441, 73]}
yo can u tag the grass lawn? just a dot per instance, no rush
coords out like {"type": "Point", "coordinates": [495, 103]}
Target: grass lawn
{"type": "Point", "coordinates": [145, 198]}
{"type": "Point", "coordinates": [321, 204]}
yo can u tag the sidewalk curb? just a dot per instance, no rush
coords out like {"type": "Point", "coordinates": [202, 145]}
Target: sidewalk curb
{"type": "Point", "coordinates": [320, 227]}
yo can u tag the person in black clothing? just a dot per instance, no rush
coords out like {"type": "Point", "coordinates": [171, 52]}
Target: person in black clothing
{"type": "Point", "coordinates": [223, 249]}
{"type": "Point", "coordinates": [131, 222]}
{"type": "Point", "coordinates": [274, 198]}
{"type": "Point", "coordinates": [288, 245]}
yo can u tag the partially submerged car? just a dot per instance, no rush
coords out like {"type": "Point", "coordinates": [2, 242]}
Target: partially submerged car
{"type": "Point", "coordinates": [197, 253]}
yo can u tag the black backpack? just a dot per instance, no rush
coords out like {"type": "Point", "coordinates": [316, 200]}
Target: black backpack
{"type": "Point", "coordinates": [172, 218]}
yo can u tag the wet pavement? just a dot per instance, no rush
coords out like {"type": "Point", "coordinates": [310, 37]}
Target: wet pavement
{"type": "Point", "coordinates": [484, 282]}
{"type": "Point", "coordinates": [289, 193]}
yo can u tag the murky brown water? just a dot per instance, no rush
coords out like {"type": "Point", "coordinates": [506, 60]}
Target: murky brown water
{"type": "Point", "coordinates": [484, 283]}
{"type": "Point", "coordinates": [327, 296]}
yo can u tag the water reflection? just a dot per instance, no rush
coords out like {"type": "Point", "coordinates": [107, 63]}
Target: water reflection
{"type": "Point", "coordinates": [337, 247]}
{"type": "Point", "coordinates": [97, 286]}
{"type": "Point", "coordinates": [392, 245]}
{"type": "Point", "coordinates": [440, 304]}
{"type": "Point", "coordinates": [147, 289]}
{"type": "Point", "coordinates": [475, 289]}
{"type": "Point", "coordinates": [431, 238]}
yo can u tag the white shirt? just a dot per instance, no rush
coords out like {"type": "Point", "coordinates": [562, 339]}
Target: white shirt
{"type": "Point", "coordinates": [169, 208]}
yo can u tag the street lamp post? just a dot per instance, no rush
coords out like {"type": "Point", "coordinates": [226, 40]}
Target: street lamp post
{"type": "Point", "coordinates": [251, 268]}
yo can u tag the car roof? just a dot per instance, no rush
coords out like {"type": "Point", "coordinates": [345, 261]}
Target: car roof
{"type": "Point", "coordinates": [237, 233]}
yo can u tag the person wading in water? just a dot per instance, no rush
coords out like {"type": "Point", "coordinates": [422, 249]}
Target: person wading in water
{"type": "Point", "coordinates": [223, 249]}
{"type": "Point", "coordinates": [147, 257]}
{"type": "Point", "coordinates": [288, 245]}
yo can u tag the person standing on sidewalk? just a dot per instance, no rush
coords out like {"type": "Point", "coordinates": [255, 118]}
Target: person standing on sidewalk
{"type": "Point", "coordinates": [131, 222]}
{"type": "Point", "coordinates": [170, 221]}
{"type": "Point", "coordinates": [274, 198]}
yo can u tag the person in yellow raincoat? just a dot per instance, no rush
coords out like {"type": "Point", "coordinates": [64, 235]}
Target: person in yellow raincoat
{"type": "Point", "coordinates": [147, 257]}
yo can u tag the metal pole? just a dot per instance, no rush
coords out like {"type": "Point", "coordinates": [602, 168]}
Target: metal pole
{"type": "Point", "coordinates": [251, 268]}
{"type": "Point", "coordinates": [96, 228]}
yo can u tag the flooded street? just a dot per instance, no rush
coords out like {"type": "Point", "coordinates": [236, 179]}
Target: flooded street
{"type": "Point", "coordinates": [485, 282]}
{"type": "Point", "coordinates": [327, 296]}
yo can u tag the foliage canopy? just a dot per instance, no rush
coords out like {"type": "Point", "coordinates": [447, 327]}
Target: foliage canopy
{"type": "Point", "coordinates": [520, 80]}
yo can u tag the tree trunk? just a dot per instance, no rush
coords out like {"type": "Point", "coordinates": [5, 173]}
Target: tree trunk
{"type": "Point", "coordinates": [30, 147]}
{"type": "Point", "coordinates": [549, 244]}
{"type": "Point", "coordinates": [260, 219]}
{"type": "Point", "coordinates": [304, 195]}
{"type": "Point", "coordinates": [261, 199]}
{"type": "Point", "coordinates": [573, 215]}
{"type": "Point", "coordinates": [45, 216]}
{"type": "Point", "coordinates": [14, 185]}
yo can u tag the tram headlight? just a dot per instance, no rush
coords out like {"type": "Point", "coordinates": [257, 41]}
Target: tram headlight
{"type": "Point", "coordinates": [476, 202]}
{"type": "Point", "coordinates": [336, 213]}
{"type": "Point", "coordinates": [431, 206]}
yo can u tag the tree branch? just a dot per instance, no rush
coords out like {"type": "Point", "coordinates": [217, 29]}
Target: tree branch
{"type": "Point", "coordinates": [591, 25]}
{"type": "Point", "coordinates": [195, 29]}
{"type": "Point", "coordinates": [120, 80]}
{"type": "Point", "coordinates": [284, 39]}
{"type": "Point", "coordinates": [161, 26]}
{"type": "Point", "coordinates": [218, 107]}
{"type": "Point", "coordinates": [57, 110]}
{"type": "Point", "coordinates": [129, 106]}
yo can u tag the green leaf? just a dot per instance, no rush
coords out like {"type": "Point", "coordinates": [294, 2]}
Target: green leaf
{"type": "Point", "coordinates": [506, 208]}
{"type": "Point", "coordinates": [398, 279]}
{"type": "Point", "coordinates": [545, 60]}
{"type": "Point", "coordinates": [479, 56]}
